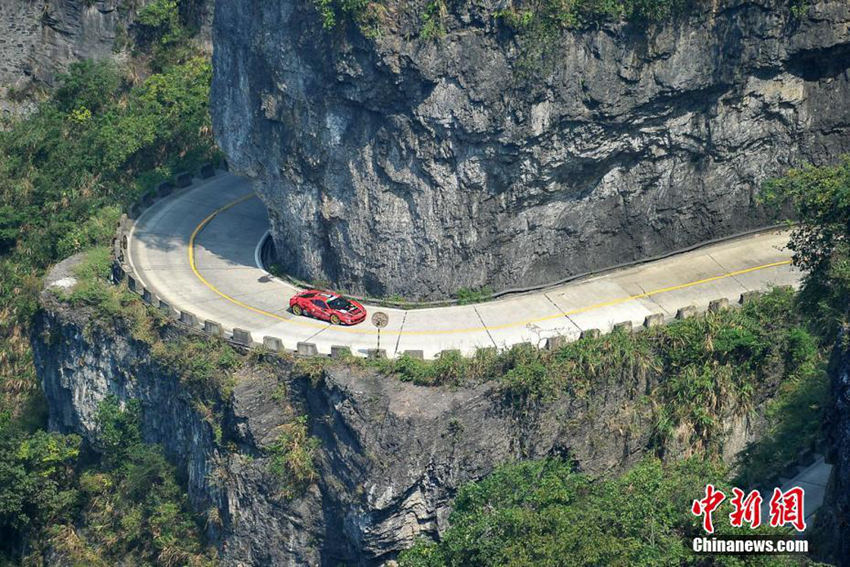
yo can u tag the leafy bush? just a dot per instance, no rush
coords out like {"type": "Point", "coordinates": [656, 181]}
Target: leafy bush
{"type": "Point", "coordinates": [467, 295]}
{"type": "Point", "coordinates": [123, 505]}
{"type": "Point", "coordinates": [34, 487]}
{"type": "Point", "coordinates": [291, 458]}
{"type": "Point", "coordinates": [819, 198]}
{"type": "Point", "coordinates": [160, 31]}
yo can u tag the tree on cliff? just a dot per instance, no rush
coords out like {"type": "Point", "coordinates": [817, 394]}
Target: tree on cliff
{"type": "Point", "coordinates": [820, 200]}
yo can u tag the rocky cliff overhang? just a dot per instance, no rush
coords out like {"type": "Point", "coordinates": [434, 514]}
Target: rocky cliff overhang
{"type": "Point", "coordinates": [395, 164]}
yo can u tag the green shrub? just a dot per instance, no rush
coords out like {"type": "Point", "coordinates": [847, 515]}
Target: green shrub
{"type": "Point", "coordinates": [819, 197]}
{"type": "Point", "coordinates": [364, 14]}
{"type": "Point", "coordinates": [291, 458]}
{"type": "Point", "coordinates": [433, 20]}
{"type": "Point", "coordinates": [467, 295]}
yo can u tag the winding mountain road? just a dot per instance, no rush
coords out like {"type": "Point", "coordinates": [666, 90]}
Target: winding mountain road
{"type": "Point", "coordinates": [198, 251]}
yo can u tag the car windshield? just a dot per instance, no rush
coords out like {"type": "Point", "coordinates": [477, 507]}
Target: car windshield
{"type": "Point", "coordinates": [340, 304]}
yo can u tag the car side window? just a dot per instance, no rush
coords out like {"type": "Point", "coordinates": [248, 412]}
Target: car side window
{"type": "Point", "coordinates": [318, 303]}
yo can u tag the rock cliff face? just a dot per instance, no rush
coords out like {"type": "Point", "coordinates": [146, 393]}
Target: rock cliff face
{"type": "Point", "coordinates": [403, 165]}
{"type": "Point", "coordinates": [41, 38]}
{"type": "Point", "coordinates": [391, 455]}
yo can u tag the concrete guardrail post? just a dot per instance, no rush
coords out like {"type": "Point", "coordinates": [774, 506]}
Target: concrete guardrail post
{"type": "Point", "coordinates": [806, 457]}
{"type": "Point", "coordinates": [147, 199]}
{"type": "Point", "coordinates": [416, 354]}
{"type": "Point", "coordinates": [448, 352]}
{"type": "Point", "coordinates": [591, 334]}
{"type": "Point", "coordinates": [556, 342]}
{"type": "Point", "coordinates": [273, 344]}
{"type": "Point", "coordinates": [165, 307]}
{"type": "Point", "coordinates": [653, 320]}
{"type": "Point", "coordinates": [790, 470]}
{"type": "Point", "coordinates": [213, 328]}
{"type": "Point", "coordinates": [307, 349]}
{"type": "Point", "coordinates": [132, 284]}
{"type": "Point", "coordinates": [686, 312]}
{"type": "Point", "coordinates": [718, 305]}
{"type": "Point", "coordinates": [188, 318]}
{"type": "Point", "coordinates": [340, 351]}
{"type": "Point", "coordinates": [374, 353]}
{"type": "Point", "coordinates": [207, 170]}
{"type": "Point", "coordinates": [118, 273]}
{"type": "Point", "coordinates": [748, 296]}
{"type": "Point", "coordinates": [147, 296]}
{"type": "Point", "coordinates": [183, 179]}
{"type": "Point", "coordinates": [623, 326]}
{"type": "Point", "coordinates": [164, 189]}
{"type": "Point", "coordinates": [242, 337]}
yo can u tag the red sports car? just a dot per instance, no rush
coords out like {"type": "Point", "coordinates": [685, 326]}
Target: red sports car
{"type": "Point", "coordinates": [327, 306]}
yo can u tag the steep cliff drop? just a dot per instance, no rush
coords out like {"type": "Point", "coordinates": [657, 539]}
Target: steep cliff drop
{"type": "Point", "coordinates": [396, 164]}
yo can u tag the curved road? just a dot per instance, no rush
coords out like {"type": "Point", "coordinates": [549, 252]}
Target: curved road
{"type": "Point", "coordinates": [197, 251]}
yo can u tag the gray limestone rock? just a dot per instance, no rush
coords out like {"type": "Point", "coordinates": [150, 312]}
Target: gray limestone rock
{"type": "Point", "coordinates": [400, 165]}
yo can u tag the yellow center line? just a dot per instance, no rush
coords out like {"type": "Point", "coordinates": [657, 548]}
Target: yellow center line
{"type": "Point", "coordinates": [299, 321]}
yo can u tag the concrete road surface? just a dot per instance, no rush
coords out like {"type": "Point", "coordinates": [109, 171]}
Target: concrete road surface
{"type": "Point", "coordinates": [197, 250]}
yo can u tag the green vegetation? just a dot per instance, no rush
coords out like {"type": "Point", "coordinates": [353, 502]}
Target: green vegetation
{"type": "Point", "coordinates": [538, 20]}
{"type": "Point", "coordinates": [121, 506]}
{"type": "Point", "coordinates": [434, 20]}
{"type": "Point", "coordinates": [540, 512]}
{"type": "Point", "coordinates": [364, 14]}
{"type": "Point", "coordinates": [66, 170]}
{"type": "Point", "coordinates": [576, 14]}
{"type": "Point", "coordinates": [292, 457]}
{"type": "Point", "coordinates": [162, 33]}
{"type": "Point", "coordinates": [467, 295]}
{"type": "Point", "coordinates": [819, 198]}
{"type": "Point", "coordinates": [103, 138]}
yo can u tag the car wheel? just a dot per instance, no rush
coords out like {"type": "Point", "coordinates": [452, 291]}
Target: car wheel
{"type": "Point", "coordinates": [296, 310]}
{"type": "Point", "coordinates": [334, 320]}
